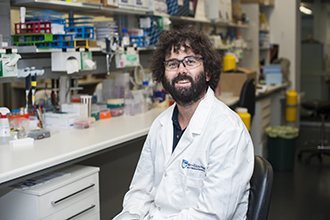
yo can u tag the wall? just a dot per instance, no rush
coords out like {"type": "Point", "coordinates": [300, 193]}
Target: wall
{"type": "Point", "coordinates": [283, 24]}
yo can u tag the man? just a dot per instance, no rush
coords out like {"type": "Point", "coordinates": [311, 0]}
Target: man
{"type": "Point", "coordinates": [198, 158]}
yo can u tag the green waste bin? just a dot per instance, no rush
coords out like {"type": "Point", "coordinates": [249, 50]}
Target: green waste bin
{"type": "Point", "coordinates": [281, 147]}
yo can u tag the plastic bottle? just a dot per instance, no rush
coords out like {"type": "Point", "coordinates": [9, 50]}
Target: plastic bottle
{"type": "Point", "coordinates": [245, 116]}
{"type": "Point", "coordinates": [228, 39]}
{"type": "Point", "coordinates": [239, 41]}
{"type": "Point", "coordinates": [147, 96]}
{"type": "Point", "coordinates": [147, 42]}
{"type": "Point", "coordinates": [5, 135]}
{"type": "Point", "coordinates": [291, 106]}
{"type": "Point", "coordinates": [125, 38]}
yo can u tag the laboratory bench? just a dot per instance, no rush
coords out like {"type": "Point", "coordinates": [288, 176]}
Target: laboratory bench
{"type": "Point", "coordinates": [113, 145]}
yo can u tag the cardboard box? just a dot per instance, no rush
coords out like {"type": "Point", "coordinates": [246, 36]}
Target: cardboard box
{"type": "Point", "coordinates": [111, 3]}
{"type": "Point", "coordinates": [233, 82]}
{"type": "Point", "coordinates": [127, 4]}
{"type": "Point", "coordinates": [141, 5]}
{"type": "Point", "coordinates": [78, 108]}
{"type": "Point", "coordinates": [236, 10]}
{"type": "Point", "coordinates": [269, 2]}
{"type": "Point", "coordinates": [60, 120]}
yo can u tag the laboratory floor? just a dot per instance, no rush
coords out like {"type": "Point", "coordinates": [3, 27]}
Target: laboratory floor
{"type": "Point", "coordinates": [304, 192]}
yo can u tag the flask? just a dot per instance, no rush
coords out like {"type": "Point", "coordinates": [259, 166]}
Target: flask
{"type": "Point", "coordinates": [5, 135]}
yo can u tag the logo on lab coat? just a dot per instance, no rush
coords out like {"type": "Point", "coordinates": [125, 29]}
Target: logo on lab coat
{"type": "Point", "coordinates": [186, 164]}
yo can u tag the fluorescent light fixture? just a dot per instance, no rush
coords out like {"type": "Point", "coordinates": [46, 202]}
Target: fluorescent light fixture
{"type": "Point", "coordinates": [305, 10]}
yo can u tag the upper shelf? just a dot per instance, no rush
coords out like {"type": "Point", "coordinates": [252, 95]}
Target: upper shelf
{"type": "Point", "coordinates": [99, 9]}
{"type": "Point", "coordinates": [77, 7]}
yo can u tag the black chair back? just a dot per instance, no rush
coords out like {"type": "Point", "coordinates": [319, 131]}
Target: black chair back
{"type": "Point", "coordinates": [247, 97]}
{"type": "Point", "coordinates": [261, 188]}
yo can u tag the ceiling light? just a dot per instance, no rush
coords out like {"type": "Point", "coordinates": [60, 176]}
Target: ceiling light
{"type": "Point", "coordinates": [305, 10]}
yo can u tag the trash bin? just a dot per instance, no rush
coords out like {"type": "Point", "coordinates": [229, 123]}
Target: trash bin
{"type": "Point", "coordinates": [281, 147]}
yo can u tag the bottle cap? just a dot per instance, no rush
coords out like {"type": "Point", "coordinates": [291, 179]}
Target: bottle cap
{"type": "Point", "coordinates": [241, 110]}
{"type": "Point", "coordinates": [145, 83]}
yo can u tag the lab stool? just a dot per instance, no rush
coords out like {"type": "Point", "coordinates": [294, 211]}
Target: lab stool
{"type": "Point", "coordinates": [322, 109]}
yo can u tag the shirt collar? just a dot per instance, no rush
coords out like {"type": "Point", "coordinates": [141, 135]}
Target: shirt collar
{"type": "Point", "coordinates": [175, 118]}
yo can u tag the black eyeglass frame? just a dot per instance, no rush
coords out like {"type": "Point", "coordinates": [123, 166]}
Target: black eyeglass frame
{"type": "Point", "coordinates": [181, 61]}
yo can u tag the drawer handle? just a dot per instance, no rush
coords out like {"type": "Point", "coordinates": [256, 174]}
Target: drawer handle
{"type": "Point", "coordinates": [75, 193]}
{"type": "Point", "coordinates": [92, 206]}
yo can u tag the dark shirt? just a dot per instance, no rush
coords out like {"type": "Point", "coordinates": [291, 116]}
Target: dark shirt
{"type": "Point", "coordinates": [177, 131]}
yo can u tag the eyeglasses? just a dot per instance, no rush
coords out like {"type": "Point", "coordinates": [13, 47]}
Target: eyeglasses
{"type": "Point", "coordinates": [188, 62]}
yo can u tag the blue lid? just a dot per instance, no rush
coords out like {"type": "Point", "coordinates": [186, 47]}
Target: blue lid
{"type": "Point", "coordinates": [145, 83]}
{"type": "Point", "coordinates": [15, 111]}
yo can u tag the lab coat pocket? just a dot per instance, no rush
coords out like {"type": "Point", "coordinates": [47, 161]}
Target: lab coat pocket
{"type": "Point", "coordinates": [193, 188]}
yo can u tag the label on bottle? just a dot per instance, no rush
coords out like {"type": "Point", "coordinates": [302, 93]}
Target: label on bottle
{"type": "Point", "coordinates": [4, 132]}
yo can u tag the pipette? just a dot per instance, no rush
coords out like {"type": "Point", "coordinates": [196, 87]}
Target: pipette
{"type": "Point", "coordinates": [27, 90]}
{"type": "Point", "coordinates": [33, 86]}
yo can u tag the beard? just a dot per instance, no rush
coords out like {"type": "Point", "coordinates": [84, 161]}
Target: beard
{"type": "Point", "coordinates": [186, 96]}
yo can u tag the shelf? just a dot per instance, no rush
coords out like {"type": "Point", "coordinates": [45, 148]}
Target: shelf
{"type": "Point", "coordinates": [264, 30]}
{"type": "Point", "coordinates": [56, 5]}
{"type": "Point", "coordinates": [33, 49]}
{"type": "Point", "coordinates": [121, 11]}
{"type": "Point", "coordinates": [77, 7]}
{"type": "Point", "coordinates": [218, 23]}
{"type": "Point", "coordinates": [103, 10]}
{"type": "Point", "coordinates": [189, 19]}
{"type": "Point", "coordinates": [267, 5]}
{"type": "Point", "coordinates": [264, 48]}
{"type": "Point", "coordinates": [238, 25]}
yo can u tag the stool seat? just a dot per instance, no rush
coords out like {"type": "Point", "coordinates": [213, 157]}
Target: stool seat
{"type": "Point", "coordinates": [322, 109]}
{"type": "Point", "coordinates": [317, 105]}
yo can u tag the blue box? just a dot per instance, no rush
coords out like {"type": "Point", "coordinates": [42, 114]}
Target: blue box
{"type": "Point", "coordinates": [272, 69]}
{"type": "Point", "coordinates": [153, 32]}
{"type": "Point", "coordinates": [273, 78]}
{"type": "Point", "coordinates": [178, 7]}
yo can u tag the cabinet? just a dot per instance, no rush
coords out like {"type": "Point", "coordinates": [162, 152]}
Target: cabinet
{"type": "Point", "coordinates": [261, 121]}
{"type": "Point", "coordinates": [73, 195]}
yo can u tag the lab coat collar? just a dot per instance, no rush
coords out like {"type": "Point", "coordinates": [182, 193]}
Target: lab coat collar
{"type": "Point", "coordinates": [195, 127]}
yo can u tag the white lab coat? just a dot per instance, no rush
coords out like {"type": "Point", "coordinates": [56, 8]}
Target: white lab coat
{"type": "Point", "coordinates": [206, 177]}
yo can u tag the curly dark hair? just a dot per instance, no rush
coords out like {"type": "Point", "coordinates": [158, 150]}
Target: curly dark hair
{"type": "Point", "coordinates": [197, 42]}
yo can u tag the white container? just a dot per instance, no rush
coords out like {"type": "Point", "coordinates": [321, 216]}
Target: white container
{"type": "Point", "coordinates": [122, 85]}
{"type": "Point", "coordinates": [108, 89]}
{"type": "Point", "coordinates": [87, 99]}
{"type": "Point", "coordinates": [61, 120]}
{"type": "Point", "coordinates": [69, 62]}
{"type": "Point", "coordinates": [5, 136]}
